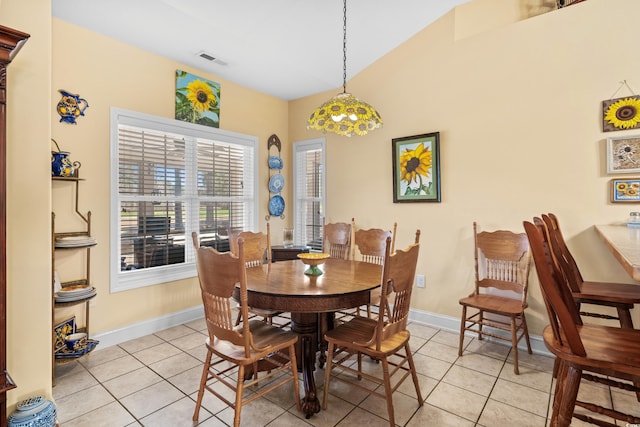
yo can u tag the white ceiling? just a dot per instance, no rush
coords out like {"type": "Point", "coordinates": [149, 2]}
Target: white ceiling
{"type": "Point", "coordinates": [285, 48]}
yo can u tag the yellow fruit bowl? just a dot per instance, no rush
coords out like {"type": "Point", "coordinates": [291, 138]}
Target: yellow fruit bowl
{"type": "Point", "coordinates": [313, 260]}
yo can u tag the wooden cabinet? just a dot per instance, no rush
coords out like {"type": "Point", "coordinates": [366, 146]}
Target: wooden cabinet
{"type": "Point", "coordinates": [76, 292]}
{"type": "Point", "coordinates": [286, 253]}
{"type": "Point", "coordinates": [10, 43]}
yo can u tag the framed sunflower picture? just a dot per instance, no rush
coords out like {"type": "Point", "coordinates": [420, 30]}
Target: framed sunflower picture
{"type": "Point", "coordinates": [416, 168]}
{"type": "Point", "coordinates": [625, 190]}
{"type": "Point", "coordinates": [621, 113]}
{"type": "Point", "coordinates": [623, 154]}
{"type": "Point", "coordinates": [197, 100]}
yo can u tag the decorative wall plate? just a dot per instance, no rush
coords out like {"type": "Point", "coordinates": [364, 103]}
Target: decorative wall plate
{"type": "Point", "coordinates": [276, 205]}
{"type": "Point", "coordinates": [275, 162]}
{"type": "Point", "coordinates": [276, 183]}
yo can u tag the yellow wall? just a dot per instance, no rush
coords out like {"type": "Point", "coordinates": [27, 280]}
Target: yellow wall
{"type": "Point", "coordinates": [109, 74]}
{"type": "Point", "coordinates": [518, 108]}
{"type": "Point", "coordinates": [28, 200]}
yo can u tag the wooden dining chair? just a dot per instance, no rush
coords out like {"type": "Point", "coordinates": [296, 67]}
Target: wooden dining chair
{"type": "Point", "coordinates": [336, 240]}
{"type": "Point", "coordinates": [601, 354]}
{"type": "Point", "coordinates": [499, 299]}
{"type": "Point", "coordinates": [257, 253]}
{"type": "Point", "coordinates": [385, 339]}
{"type": "Point", "coordinates": [621, 296]}
{"type": "Point", "coordinates": [243, 347]}
{"type": "Point", "coordinates": [369, 246]}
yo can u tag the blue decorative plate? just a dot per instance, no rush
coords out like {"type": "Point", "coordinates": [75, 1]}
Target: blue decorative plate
{"type": "Point", "coordinates": [276, 183]}
{"type": "Point", "coordinates": [275, 162]}
{"type": "Point", "coordinates": [276, 205]}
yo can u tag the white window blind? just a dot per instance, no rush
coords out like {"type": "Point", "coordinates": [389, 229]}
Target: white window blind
{"type": "Point", "coordinates": [309, 192]}
{"type": "Point", "coordinates": [170, 178]}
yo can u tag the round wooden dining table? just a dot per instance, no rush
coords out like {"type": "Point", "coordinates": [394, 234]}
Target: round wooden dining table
{"type": "Point", "coordinates": [283, 286]}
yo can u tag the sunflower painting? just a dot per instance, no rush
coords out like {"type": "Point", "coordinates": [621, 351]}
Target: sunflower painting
{"type": "Point", "coordinates": [625, 190]}
{"type": "Point", "coordinates": [197, 100]}
{"type": "Point", "coordinates": [621, 113]}
{"type": "Point", "coordinates": [416, 168]}
{"type": "Point", "coordinates": [623, 154]}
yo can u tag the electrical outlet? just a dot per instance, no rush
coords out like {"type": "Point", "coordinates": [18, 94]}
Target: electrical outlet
{"type": "Point", "coordinates": [420, 280]}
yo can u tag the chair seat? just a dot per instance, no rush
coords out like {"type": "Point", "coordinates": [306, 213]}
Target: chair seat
{"type": "Point", "coordinates": [494, 303]}
{"type": "Point", "coordinates": [608, 349]}
{"type": "Point", "coordinates": [361, 330]}
{"type": "Point", "coordinates": [265, 336]}
{"type": "Point", "coordinates": [620, 293]}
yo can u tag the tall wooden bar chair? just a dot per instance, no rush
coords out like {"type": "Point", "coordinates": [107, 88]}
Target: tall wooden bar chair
{"type": "Point", "coordinates": [257, 253]}
{"type": "Point", "coordinates": [621, 296]}
{"type": "Point", "coordinates": [369, 246]}
{"type": "Point", "coordinates": [499, 299]}
{"type": "Point", "coordinates": [239, 347]}
{"type": "Point", "coordinates": [385, 339]}
{"type": "Point", "coordinates": [602, 354]}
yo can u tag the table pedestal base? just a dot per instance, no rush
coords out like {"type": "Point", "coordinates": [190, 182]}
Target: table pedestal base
{"type": "Point", "coordinates": [305, 325]}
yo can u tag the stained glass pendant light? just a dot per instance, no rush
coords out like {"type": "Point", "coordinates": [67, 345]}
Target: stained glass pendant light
{"type": "Point", "coordinates": [344, 114]}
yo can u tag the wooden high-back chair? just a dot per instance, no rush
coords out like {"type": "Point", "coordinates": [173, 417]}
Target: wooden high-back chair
{"type": "Point", "coordinates": [382, 338]}
{"type": "Point", "coordinates": [582, 349]}
{"type": "Point", "coordinates": [238, 347]}
{"type": "Point", "coordinates": [336, 240]}
{"type": "Point", "coordinates": [257, 248]}
{"type": "Point", "coordinates": [621, 296]}
{"type": "Point", "coordinates": [369, 246]}
{"type": "Point", "coordinates": [499, 299]}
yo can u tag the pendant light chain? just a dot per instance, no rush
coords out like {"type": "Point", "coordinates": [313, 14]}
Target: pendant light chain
{"type": "Point", "coordinates": [344, 48]}
{"type": "Point", "coordinates": [344, 114]}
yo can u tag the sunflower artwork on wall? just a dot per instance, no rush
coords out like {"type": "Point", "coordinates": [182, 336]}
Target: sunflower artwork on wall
{"type": "Point", "coordinates": [625, 190]}
{"type": "Point", "coordinates": [197, 100]}
{"type": "Point", "coordinates": [416, 168]}
{"type": "Point", "coordinates": [621, 113]}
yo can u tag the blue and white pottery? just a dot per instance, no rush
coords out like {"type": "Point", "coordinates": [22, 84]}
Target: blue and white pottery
{"type": "Point", "coordinates": [275, 162]}
{"type": "Point", "coordinates": [70, 107]}
{"type": "Point", "coordinates": [276, 205]}
{"type": "Point", "coordinates": [33, 412]}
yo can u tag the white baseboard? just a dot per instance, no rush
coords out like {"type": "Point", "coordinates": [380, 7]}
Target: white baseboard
{"type": "Point", "coordinates": [453, 324]}
{"type": "Point", "coordinates": [147, 327]}
{"type": "Point", "coordinates": [151, 326]}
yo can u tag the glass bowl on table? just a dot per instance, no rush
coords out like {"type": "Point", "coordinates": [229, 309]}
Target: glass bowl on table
{"type": "Point", "coordinates": [313, 260]}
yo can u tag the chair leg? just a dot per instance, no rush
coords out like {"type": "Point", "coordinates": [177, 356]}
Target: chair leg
{"type": "Point", "coordinates": [203, 382]}
{"type": "Point", "coordinates": [569, 395]}
{"type": "Point", "coordinates": [414, 374]}
{"type": "Point", "coordinates": [293, 363]}
{"type": "Point", "coordinates": [557, 399]}
{"type": "Point", "coordinates": [514, 345]}
{"type": "Point", "coordinates": [327, 375]}
{"type": "Point", "coordinates": [525, 330]}
{"type": "Point", "coordinates": [463, 322]}
{"type": "Point", "coordinates": [239, 318]}
{"type": "Point", "coordinates": [239, 391]}
{"type": "Point", "coordinates": [625, 317]}
{"type": "Point", "coordinates": [387, 391]}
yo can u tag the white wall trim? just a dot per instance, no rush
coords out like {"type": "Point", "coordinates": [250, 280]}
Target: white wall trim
{"type": "Point", "coordinates": [147, 327]}
{"type": "Point", "coordinates": [151, 326]}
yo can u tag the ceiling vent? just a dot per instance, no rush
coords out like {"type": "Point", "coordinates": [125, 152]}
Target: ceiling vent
{"type": "Point", "coordinates": [210, 57]}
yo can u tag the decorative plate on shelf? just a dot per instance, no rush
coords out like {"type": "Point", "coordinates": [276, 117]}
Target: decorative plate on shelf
{"type": "Point", "coordinates": [276, 205]}
{"type": "Point", "coordinates": [276, 183]}
{"type": "Point", "coordinates": [65, 353]}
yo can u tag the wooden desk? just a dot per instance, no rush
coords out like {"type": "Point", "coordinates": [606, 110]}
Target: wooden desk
{"type": "Point", "coordinates": [624, 243]}
{"type": "Point", "coordinates": [283, 286]}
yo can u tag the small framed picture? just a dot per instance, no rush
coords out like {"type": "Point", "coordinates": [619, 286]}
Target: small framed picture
{"type": "Point", "coordinates": [623, 154]}
{"type": "Point", "coordinates": [625, 190]}
{"type": "Point", "coordinates": [416, 168]}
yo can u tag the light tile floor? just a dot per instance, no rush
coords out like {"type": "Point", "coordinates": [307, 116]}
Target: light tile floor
{"type": "Point", "coordinates": [153, 381]}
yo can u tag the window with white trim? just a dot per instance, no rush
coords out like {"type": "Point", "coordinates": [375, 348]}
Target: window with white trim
{"type": "Point", "coordinates": [168, 179]}
{"type": "Point", "coordinates": [309, 192]}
